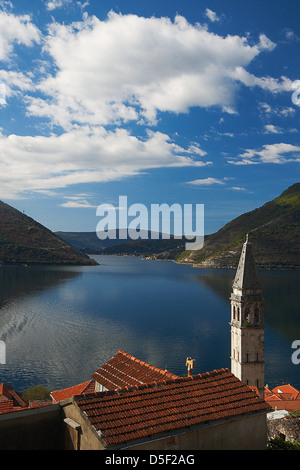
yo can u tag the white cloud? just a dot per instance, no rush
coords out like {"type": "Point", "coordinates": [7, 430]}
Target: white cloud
{"type": "Point", "coordinates": [2, 94]}
{"type": "Point", "coordinates": [271, 129]}
{"type": "Point", "coordinates": [77, 202]}
{"type": "Point", "coordinates": [290, 35]}
{"type": "Point", "coordinates": [265, 43]}
{"type": "Point", "coordinates": [53, 4]}
{"type": "Point", "coordinates": [271, 153]}
{"type": "Point", "coordinates": [211, 15]}
{"type": "Point", "coordinates": [15, 82]}
{"type": "Point", "coordinates": [16, 30]}
{"type": "Point", "coordinates": [129, 68]}
{"type": "Point", "coordinates": [271, 84]}
{"type": "Point", "coordinates": [285, 111]}
{"type": "Point", "coordinates": [288, 111]}
{"type": "Point", "coordinates": [6, 4]}
{"type": "Point", "coordinates": [206, 181]}
{"type": "Point", "coordinates": [126, 68]}
{"type": "Point", "coordinates": [82, 156]}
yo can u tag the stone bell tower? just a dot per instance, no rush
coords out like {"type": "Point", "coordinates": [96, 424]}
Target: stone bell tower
{"type": "Point", "coordinates": [247, 322]}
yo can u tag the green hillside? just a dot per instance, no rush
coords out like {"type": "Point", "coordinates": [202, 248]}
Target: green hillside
{"type": "Point", "coordinates": [273, 230]}
{"type": "Point", "coordinates": [25, 241]}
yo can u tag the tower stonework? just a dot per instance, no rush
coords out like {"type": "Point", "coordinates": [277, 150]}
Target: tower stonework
{"type": "Point", "coordinates": [247, 322]}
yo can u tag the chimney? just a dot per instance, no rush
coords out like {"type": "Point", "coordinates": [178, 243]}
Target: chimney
{"type": "Point", "coordinates": [190, 363]}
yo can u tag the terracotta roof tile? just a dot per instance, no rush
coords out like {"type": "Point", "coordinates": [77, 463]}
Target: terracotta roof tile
{"type": "Point", "coordinates": [283, 397]}
{"type": "Point", "coordinates": [7, 392]}
{"type": "Point", "coordinates": [288, 391]}
{"type": "Point", "coordinates": [124, 370]}
{"type": "Point", "coordinates": [6, 406]}
{"type": "Point", "coordinates": [85, 387]}
{"type": "Point", "coordinates": [150, 409]}
{"type": "Point", "coordinates": [288, 405]}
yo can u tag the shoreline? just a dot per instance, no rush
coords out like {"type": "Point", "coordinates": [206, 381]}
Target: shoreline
{"type": "Point", "coordinates": [153, 258]}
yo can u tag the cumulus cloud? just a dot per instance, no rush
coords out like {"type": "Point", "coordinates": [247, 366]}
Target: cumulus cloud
{"type": "Point", "coordinates": [105, 74]}
{"type": "Point", "coordinates": [82, 156]}
{"type": "Point", "coordinates": [270, 153]}
{"type": "Point", "coordinates": [129, 68]}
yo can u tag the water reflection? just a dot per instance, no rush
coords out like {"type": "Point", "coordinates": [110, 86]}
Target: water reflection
{"type": "Point", "coordinates": [282, 320]}
{"type": "Point", "coordinates": [21, 280]}
{"type": "Point", "coordinates": [61, 324]}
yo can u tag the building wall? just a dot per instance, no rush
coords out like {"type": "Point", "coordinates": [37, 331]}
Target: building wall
{"type": "Point", "coordinates": [35, 429]}
{"type": "Point", "coordinates": [242, 434]}
{"type": "Point", "coordinates": [87, 437]}
{"type": "Point", "coordinates": [247, 433]}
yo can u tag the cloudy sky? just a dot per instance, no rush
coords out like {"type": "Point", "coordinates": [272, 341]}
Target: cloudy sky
{"type": "Point", "coordinates": [164, 101]}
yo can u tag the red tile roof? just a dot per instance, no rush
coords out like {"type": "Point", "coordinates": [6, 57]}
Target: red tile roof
{"type": "Point", "coordinates": [85, 387]}
{"type": "Point", "coordinates": [287, 391]}
{"type": "Point", "coordinates": [124, 370]}
{"type": "Point", "coordinates": [8, 393]}
{"type": "Point", "coordinates": [6, 406]}
{"type": "Point", "coordinates": [168, 406]}
{"type": "Point", "coordinates": [283, 397]}
{"type": "Point", "coordinates": [288, 405]}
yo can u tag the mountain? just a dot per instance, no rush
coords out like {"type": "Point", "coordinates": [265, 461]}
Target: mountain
{"type": "Point", "coordinates": [25, 241]}
{"type": "Point", "coordinates": [162, 248]}
{"type": "Point", "coordinates": [273, 231]}
{"type": "Point", "coordinates": [89, 241]}
{"type": "Point", "coordinates": [146, 245]}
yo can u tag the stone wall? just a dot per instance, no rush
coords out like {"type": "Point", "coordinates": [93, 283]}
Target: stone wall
{"type": "Point", "coordinates": [287, 428]}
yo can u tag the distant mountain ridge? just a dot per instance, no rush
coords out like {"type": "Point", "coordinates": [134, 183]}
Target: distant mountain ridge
{"type": "Point", "coordinates": [146, 245]}
{"type": "Point", "coordinates": [274, 231]}
{"type": "Point", "coordinates": [23, 241]}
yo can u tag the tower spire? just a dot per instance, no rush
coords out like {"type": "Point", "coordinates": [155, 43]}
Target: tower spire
{"type": "Point", "coordinates": [246, 275]}
{"type": "Point", "coordinates": [247, 322]}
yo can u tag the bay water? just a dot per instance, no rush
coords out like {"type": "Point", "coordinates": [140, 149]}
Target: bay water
{"type": "Point", "coordinates": [60, 324]}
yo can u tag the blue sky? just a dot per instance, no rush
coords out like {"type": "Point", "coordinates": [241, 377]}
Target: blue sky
{"type": "Point", "coordinates": [186, 102]}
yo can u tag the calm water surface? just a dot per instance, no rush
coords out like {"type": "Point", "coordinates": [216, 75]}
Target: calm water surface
{"type": "Point", "coordinates": [59, 324]}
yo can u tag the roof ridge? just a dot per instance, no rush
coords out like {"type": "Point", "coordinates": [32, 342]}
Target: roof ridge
{"type": "Point", "coordinates": [73, 386]}
{"type": "Point", "coordinates": [139, 361]}
{"type": "Point", "coordinates": [155, 383]}
{"type": "Point", "coordinates": [151, 409]}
